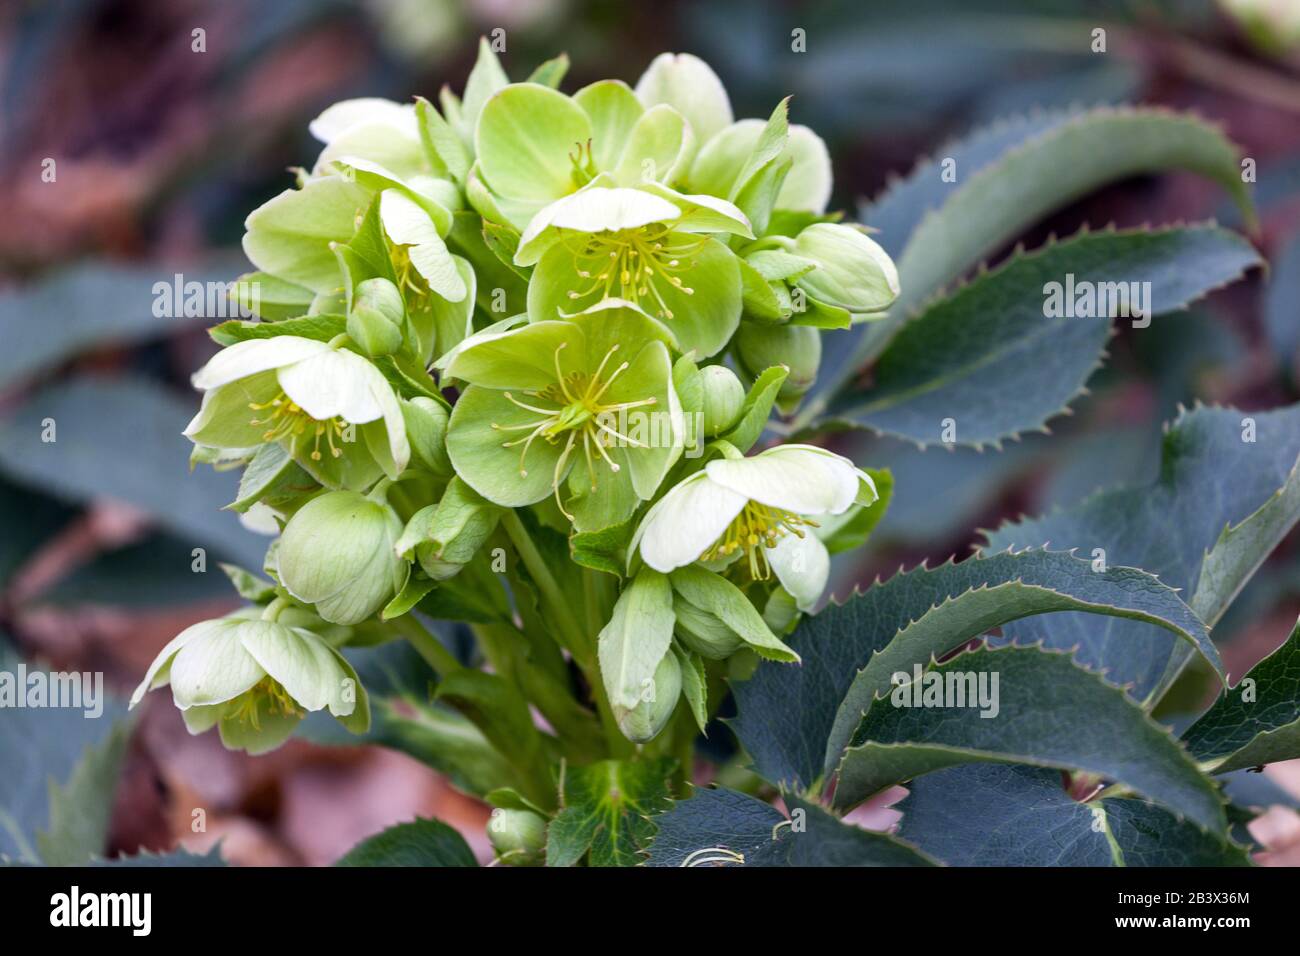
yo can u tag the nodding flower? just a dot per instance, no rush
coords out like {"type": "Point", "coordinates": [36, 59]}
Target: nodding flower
{"type": "Point", "coordinates": [757, 516]}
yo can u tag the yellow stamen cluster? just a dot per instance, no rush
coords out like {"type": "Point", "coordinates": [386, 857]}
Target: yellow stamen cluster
{"type": "Point", "coordinates": [574, 405]}
{"type": "Point", "coordinates": [632, 263]}
{"type": "Point", "coordinates": [414, 287]}
{"type": "Point", "coordinates": [246, 708]}
{"type": "Point", "coordinates": [755, 529]}
{"type": "Point", "coordinates": [288, 420]}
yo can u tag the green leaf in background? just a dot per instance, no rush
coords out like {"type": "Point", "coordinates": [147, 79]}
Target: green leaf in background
{"type": "Point", "coordinates": [80, 809]}
{"type": "Point", "coordinates": [154, 572]}
{"type": "Point", "coordinates": [988, 359]}
{"type": "Point", "coordinates": [1256, 722]}
{"type": "Point", "coordinates": [718, 827]}
{"type": "Point", "coordinates": [607, 809]}
{"type": "Point", "coordinates": [420, 843]}
{"type": "Point", "coordinates": [29, 519]}
{"type": "Point", "coordinates": [991, 815]}
{"type": "Point", "coordinates": [820, 704]}
{"type": "Point", "coordinates": [1218, 467]}
{"type": "Point", "coordinates": [827, 841]}
{"type": "Point", "coordinates": [120, 438]}
{"type": "Point", "coordinates": [56, 767]}
{"type": "Point", "coordinates": [76, 296]}
{"type": "Point", "coordinates": [1053, 165]}
{"type": "Point", "coordinates": [1050, 713]}
{"type": "Point", "coordinates": [174, 858]}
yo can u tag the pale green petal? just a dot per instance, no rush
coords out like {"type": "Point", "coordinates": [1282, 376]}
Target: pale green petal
{"type": "Point", "coordinates": [525, 136]}
{"type": "Point", "coordinates": [853, 271]}
{"type": "Point", "coordinates": [688, 85]}
{"type": "Point", "coordinates": [685, 522]}
{"type": "Point", "coordinates": [199, 720]}
{"type": "Point", "coordinates": [213, 666]}
{"type": "Point", "coordinates": [400, 154]}
{"type": "Point", "coordinates": [504, 476]}
{"type": "Point", "coordinates": [272, 729]}
{"type": "Point", "coordinates": [304, 665]}
{"type": "Point", "coordinates": [255, 355]}
{"type": "Point", "coordinates": [721, 159]}
{"type": "Point", "coordinates": [802, 565]}
{"type": "Point", "coordinates": [655, 147]}
{"type": "Point", "coordinates": [522, 358]}
{"type": "Point", "coordinates": [226, 419]}
{"type": "Point", "coordinates": [802, 479]}
{"type": "Point", "coordinates": [613, 110]}
{"type": "Point", "coordinates": [704, 213]}
{"type": "Point", "coordinates": [336, 383]}
{"type": "Point", "coordinates": [289, 236]}
{"type": "Point", "coordinates": [807, 187]}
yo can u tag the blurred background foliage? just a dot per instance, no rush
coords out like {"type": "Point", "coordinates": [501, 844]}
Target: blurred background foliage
{"type": "Point", "coordinates": [160, 151]}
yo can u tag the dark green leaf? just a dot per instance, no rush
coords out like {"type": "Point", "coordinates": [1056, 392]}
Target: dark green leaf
{"type": "Point", "coordinates": [421, 843]}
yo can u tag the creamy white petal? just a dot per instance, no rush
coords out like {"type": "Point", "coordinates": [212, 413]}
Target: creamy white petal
{"type": "Point", "coordinates": [802, 565]}
{"type": "Point", "coordinates": [799, 481]}
{"type": "Point", "coordinates": [690, 86]}
{"type": "Point", "coordinates": [337, 383]}
{"type": "Point", "coordinates": [408, 224]}
{"type": "Point", "coordinates": [339, 117]}
{"type": "Point", "coordinates": [302, 663]}
{"type": "Point", "coordinates": [159, 671]}
{"type": "Point", "coordinates": [255, 355]}
{"type": "Point", "coordinates": [598, 209]}
{"type": "Point", "coordinates": [213, 666]}
{"type": "Point", "coordinates": [704, 213]}
{"type": "Point", "coordinates": [685, 522]}
{"type": "Point", "coordinates": [807, 187]}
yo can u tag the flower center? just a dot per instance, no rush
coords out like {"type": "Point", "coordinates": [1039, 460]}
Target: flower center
{"type": "Point", "coordinates": [633, 264]}
{"type": "Point", "coordinates": [755, 529]}
{"type": "Point", "coordinates": [573, 406]}
{"type": "Point", "coordinates": [414, 287]}
{"type": "Point", "coordinates": [286, 419]}
{"type": "Point", "coordinates": [247, 709]}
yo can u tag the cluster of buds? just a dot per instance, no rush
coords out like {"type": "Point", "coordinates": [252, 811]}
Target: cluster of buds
{"type": "Point", "coordinates": [525, 312]}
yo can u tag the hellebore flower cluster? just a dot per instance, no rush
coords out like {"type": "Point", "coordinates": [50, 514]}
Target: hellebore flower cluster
{"type": "Point", "coordinates": [512, 353]}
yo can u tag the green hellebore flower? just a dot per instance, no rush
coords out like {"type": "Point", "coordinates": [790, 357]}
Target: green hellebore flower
{"type": "Point", "coordinates": [535, 145]}
{"type": "Point", "coordinates": [518, 836]}
{"type": "Point", "coordinates": [807, 185]}
{"type": "Point", "coordinates": [690, 86]}
{"type": "Point", "coordinates": [308, 396]}
{"type": "Point", "coordinates": [643, 722]}
{"type": "Point", "coordinates": [724, 396]}
{"type": "Point", "coordinates": [381, 131]}
{"type": "Point", "coordinates": [647, 245]}
{"type": "Point", "coordinates": [376, 317]}
{"type": "Point", "coordinates": [338, 553]}
{"type": "Point", "coordinates": [444, 537]}
{"type": "Point", "coordinates": [760, 508]}
{"type": "Point", "coordinates": [254, 680]}
{"type": "Point", "coordinates": [797, 347]}
{"type": "Point", "coordinates": [590, 400]}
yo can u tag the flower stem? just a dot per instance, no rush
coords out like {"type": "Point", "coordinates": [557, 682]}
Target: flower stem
{"type": "Point", "coordinates": [428, 646]}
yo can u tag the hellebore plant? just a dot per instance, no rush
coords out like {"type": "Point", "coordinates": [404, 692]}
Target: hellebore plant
{"type": "Point", "coordinates": [508, 408]}
{"type": "Point", "coordinates": [482, 336]}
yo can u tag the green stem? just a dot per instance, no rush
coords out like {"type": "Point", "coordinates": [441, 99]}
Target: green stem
{"type": "Point", "coordinates": [560, 608]}
{"type": "Point", "coordinates": [437, 656]}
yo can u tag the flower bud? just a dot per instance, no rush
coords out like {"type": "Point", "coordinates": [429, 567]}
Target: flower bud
{"type": "Point", "coordinates": [723, 398]}
{"type": "Point", "coordinates": [375, 320]}
{"type": "Point", "coordinates": [426, 429]}
{"type": "Point", "coordinates": [797, 347]}
{"type": "Point", "coordinates": [852, 272]}
{"type": "Point", "coordinates": [338, 554]}
{"type": "Point", "coordinates": [644, 722]}
{"type": "Point", "coordinates": [704, 633]}
{"type": "Point", "coordinates": [518, 836]}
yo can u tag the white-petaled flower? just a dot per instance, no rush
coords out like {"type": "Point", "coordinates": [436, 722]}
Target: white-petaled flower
{"type": "Point", "coordinates": [762, 508]}
{"type": "Point", "coordinates": [255, 679]}
{"type": "Point", "coordinates": [304, 394]}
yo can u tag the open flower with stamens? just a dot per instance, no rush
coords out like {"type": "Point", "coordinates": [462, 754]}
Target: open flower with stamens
{"type": "Point", "coordinates": [255, 679]}
{"type": "Point", "coordinates": [647, 245]}
{"type": "Point", "coordinates": [329, 407]}
{"type": "Point", "coordinates": [584, 410]}
{"type": "Point", "coordinates": [758, 513]}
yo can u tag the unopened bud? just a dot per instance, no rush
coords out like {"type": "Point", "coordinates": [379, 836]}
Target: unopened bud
{"type": "Point", "coordinates": [723, 398]}
{"type": "Point", "coordinates": [375, 321]}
